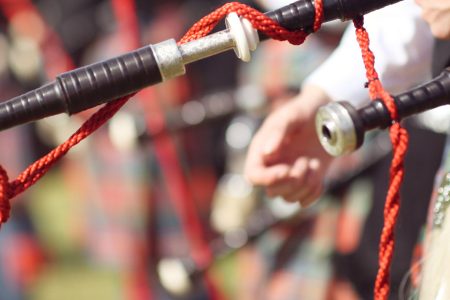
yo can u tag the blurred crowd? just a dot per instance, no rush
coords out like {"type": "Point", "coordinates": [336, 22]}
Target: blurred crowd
{"type": "Point", "coordinates": [154, 205]}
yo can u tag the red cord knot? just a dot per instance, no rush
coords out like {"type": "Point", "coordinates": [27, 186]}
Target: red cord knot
{"type": "Point", "coordinates": [39, 168]}
{"type": "Point", "coordinates": [369, 82]}
{"type": "Point", "coordinates": [260, 21]}
{"type": "Point", "coordinates": [5, 196]}
{"type": "Point", "coordinates": [296, 37]}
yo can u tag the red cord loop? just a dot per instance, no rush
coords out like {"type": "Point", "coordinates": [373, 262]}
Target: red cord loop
{"type": "Point", "coordinates": [5, 188]}
{"type": "Point", "coordinates": [200, 29]}
{"type": "Point", "coordinates": [40, 167]}
{"type": "Point", "coordinates": [259, 21]}
{"type": "Point", "coordinates": [399, 140]}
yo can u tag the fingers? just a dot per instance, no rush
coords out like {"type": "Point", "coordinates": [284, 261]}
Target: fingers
{"type": "Point", "coordinates": [295, 179]}
{"type": "Point", "coordinates": [285, 156]}
{"type": "Point", "coordinates": [307, 194]}
{"type": "Point", "coordinates": [303, 183]}
{"type": "Point", "coordinates": [437, 14]}
{"type": "Point", "coordinates": [264, 165]}
{"type": "Point", "coordinates": [298, 180]}
{"type": "Point", "coordinates": [267, 176]}
{"type": "Point", "coordinates": [276, 132]}
{"type": "Point", "coordinates": [272, 147]}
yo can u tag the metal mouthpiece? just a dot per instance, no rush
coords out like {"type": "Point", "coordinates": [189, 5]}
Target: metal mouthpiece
{"type": "Point", "coordinates": [336, 129]}
{"type": "Point", "coordinates": [341, 127]}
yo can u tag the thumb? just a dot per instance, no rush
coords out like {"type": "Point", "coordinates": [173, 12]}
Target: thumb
{"type": "Point", "coordinates": [277, 130]}
{"type": "Point", "coordinates": [272, 147]}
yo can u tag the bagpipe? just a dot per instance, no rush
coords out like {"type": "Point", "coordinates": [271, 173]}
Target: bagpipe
{"type": "Point", "coordinates": [102, 82]}
{"type": "Point", "coordinates": [340, 126]}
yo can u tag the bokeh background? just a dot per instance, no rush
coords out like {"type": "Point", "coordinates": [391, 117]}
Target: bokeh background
{"type": "Point", "coordinates": [154, 204]}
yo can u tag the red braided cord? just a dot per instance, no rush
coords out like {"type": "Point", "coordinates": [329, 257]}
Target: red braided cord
{"type": "Point", "coordinates": [318, 18]}
{"type": "Point", "coordinates": [35, 171]}
{"type": "Point", "coordinates": [399, 139]}
{"type": "Point", "coordinates": [5, 195]}
{"type": "Point", "coordinates": [39, 168]}
{"type": "Point", "coordinates": [398, 135]}
{"type": "Point", "coordinates": [259, 21]}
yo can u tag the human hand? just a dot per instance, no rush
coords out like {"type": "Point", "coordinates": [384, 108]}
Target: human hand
{"type": "Point", "coordinates": [437, 14]}
{"type": "Point", "coordinates": [285, 155]}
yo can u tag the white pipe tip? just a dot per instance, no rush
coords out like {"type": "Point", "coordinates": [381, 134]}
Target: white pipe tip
{"type": "Point", "coordinates": [245, 36]}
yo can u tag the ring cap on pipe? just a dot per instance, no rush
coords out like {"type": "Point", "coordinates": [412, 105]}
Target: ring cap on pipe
{"type": "Point", "coordinates": [169, 59]}
{"type": "Point", "coordinates": [245, 36]}
{"type": "Point", "coordinates": [337, 127]}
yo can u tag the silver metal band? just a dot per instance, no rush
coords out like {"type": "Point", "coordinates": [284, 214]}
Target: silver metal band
{"type": "Point", "coordinates": [169, 59]}
{"type": "Point", "coordinates": [336, 130]}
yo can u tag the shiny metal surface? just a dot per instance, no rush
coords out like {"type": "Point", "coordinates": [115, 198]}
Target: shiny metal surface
{"type": "Point", "coordinates": [335, 129]}
{"type": "Point", "coordinates": [208, 46]}
{"type": "Point", "coordinates": [169, 59]}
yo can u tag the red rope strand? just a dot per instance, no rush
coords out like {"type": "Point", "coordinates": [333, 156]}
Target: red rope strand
{"type": "Point", "coordinates": [5, 194]}
{"type": "Point", "coordinates": [259, 21]}
{"type": "Point", "coordinates": [200, 29]}
{"type": "Point", "coordinates": [318, 19]}
{"type": "Point", "coordinates": [399, 140]}
{"type": "Point", "coordinates": [399, 136]}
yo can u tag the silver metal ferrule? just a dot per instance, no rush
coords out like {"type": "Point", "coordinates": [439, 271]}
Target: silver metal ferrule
{"type": "Point", "coordinates": [336, 130]}
{"type": "Point", "coordinates": [207, 46]}
{"type": "Point", "coordinates": [239, 35]}
{"type": "Point", "coordinates": [169, 59]}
